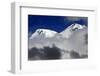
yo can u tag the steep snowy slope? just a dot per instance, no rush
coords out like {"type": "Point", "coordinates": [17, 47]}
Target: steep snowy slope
{"type": "Point", "coordinates": [70, 30]}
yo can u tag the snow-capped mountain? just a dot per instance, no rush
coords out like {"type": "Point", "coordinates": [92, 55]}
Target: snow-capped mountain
{"type": "Point", "coordinates": [47, 33]}
{"type": "Point", "coordinates": [76, 26]}
{"type": "Point", "coordinates": [72, 38]}
{"type": "Point", "coordinates": [70, 30]}
{"type": "Point", "coordinates": [43, 32]}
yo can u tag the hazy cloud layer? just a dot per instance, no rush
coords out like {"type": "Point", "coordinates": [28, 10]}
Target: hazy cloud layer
{"type": "Point", "coordinates": [54, 52]}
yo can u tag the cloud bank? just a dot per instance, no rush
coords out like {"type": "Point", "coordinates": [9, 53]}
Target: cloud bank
{"type": "Point", "coordinates": [50, 53]}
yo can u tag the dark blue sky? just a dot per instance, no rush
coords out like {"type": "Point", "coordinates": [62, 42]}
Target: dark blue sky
{"type": "Point", "coordinates": [56, 23]}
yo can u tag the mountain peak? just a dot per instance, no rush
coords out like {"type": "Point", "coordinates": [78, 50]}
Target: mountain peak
{"type": "Point", "coordinates": [43, 32]}
{"type": "Point", "coordinates": [76, 26]}
{"type": "Point", "coordinates": [70, 30]}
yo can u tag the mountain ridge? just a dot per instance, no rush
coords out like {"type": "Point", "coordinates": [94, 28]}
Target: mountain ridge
{"type": "Point", "coordinates": [51, 33]}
